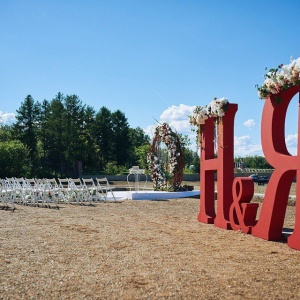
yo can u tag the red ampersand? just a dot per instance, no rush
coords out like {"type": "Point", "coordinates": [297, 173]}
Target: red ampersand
{"type": "Point", "coordinates": [242, 213]}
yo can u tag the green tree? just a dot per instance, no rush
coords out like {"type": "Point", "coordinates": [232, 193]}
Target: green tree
{"type": "Point", "coordinates": [192, 160]}
{"type": "Point", "coordinates": [14, 159]}
{"type": "Point", "coordinates": [255, 162]}
{"type": "Point", "coordinates": [42, 122]}
{"type": "Point", "coordinates": [138, 137]}
{"type": "Point", "coordinates": [141, 155]}
{"type": "Point", "coordinates": [90, 151]}
{"type": "Point", "coordinates": [6, 133]}
{"type": "Point", "coordinates": [43, 141]}
{"type": "Point", "coordinates": [196, 164]}
{"type": "Point", "coordinates": [121, 144]}
{"type": "Point", "coordinates": [189, 155]}
{"type": "Point", "coordinates": [54, 128]}
{"type": "Point", "coordinates": [103, 133]}
{"type": "Point", "coordinates": [185, 141]}
{"type": "Point", "coordinates": [72, 135]}
{"type": "Point", "coordinates": [138, 140]}
{"type": "Point", "coordinates": [26, 128]}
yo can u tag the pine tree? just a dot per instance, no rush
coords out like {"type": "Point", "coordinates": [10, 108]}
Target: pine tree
{"type": "Point", "coordinates": [74, 113]}
{"type": "Point", "coordinates": [103, 135]}
{"type": "Point", "coordinates": [121, 143]}
{"type": "Point", "coordinates": [55, 127]}
{"type": "Point", "coordinates": [90, 149]}
{"type": "Point", "coordinates": [26, 128]}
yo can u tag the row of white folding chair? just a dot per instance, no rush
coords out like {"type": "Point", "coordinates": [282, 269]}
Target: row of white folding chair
{"type": "Point", "coordinates": [18, 188]}
{"type": "Point", "coordinates": [89, 191]}
{"type": "Point", "coordinates": [6, 195]}
{"type": "Point", "coordinates": [72, 190]}
{"type": "Point", "coordinates": [33, 191]}
{"type": "Point", "coordinates": [99, 191]}
{"type": "Point", "coordinates": [15, 187]}
{"type": "Point", "coordinates": [85, 190]}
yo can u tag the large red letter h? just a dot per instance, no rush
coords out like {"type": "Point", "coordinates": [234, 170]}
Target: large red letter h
{"type": "Point", "coordinates": [223, 164]}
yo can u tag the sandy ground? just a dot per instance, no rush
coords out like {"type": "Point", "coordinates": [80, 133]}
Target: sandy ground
{"type": "Point", "coordinates": [138, 250]}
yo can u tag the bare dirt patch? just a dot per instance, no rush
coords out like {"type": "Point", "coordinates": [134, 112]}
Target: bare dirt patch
{"type": "Point", "coordinates": [138, 250]}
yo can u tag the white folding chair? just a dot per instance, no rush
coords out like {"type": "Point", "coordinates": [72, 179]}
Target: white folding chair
{"type": "Point", "coordinates": [89, 190]}
{"type": "Point", "coordinates": [64, 189]}
{"type": "Point", "coordinates": [76, 190]}
{"type": "Point", "coordinates": [9, 190]}
{"type": "Point", "coordinates": [52, 191]}
{"type": "Point", "coordinates": [7, 194]}
{"type": "Point", "coordinates": [104, 189]}
{"type": "Point", "coordinates": [39, 191]}
{"type": "Point", "coordinates": [45, 192]}
{"type": "Point", "coordinates": [30, 192]}
{"type": "Point", "coordinates": [18, 186]}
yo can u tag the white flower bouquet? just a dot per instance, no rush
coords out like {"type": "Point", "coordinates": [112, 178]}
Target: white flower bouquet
{"type": "Point", "coordinates": [214, 109]}
{"type": "Point", "coordinates": [279, 79]}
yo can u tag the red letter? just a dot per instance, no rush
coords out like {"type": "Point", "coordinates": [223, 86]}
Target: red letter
{"type": "Point", "coordinates": [223, 164]}
{"type": "Point", "coordinates": [242, 214]}
{"type": "Point", "coordinates": [270, 223]}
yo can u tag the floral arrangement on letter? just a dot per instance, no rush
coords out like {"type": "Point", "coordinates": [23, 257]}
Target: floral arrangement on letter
{"type": "Point", "coordinates": [214, 109]}
{"type": "Point", "coordinates": [279, 79]}
{"type": "Point", "coordinates": [169, 177]}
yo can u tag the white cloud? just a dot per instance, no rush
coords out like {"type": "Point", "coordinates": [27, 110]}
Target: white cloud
{"type": "Point", "coordinates": [292, 140]}
{"type": "Point", "coordinates": [292, 143]}
{"type": "Point", "coordinates": [241, 140]}
{"type": "Point", "coordinates": [177, 112]}
{"type": "Point", "coordinates": [178, 118]}
{"type": "Point", "coordinates": [243, 146]}
{"type": "Point", "coordinates": [249, 123]}
{"type": "Point", "coordinates": [7, 118]}
{"type": "Point", "coordinates": [150, 130]}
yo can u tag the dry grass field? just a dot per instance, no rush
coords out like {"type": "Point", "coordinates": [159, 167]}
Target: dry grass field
{"type": "Point", "coordinates": [139, 250]}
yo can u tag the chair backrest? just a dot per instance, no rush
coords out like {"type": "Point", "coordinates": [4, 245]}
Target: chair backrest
{"type": "Point", "coordinates": [88, 183]}
{"type": "Point", "coordinates": [40, 183]}
{"type": "Point", "coordinates": [102, 181]}
{"type": "Point", "coordinates": [75, 182]}
{"type": "Point", "coordinates": [10, 180]}
{"type": "Point", "coordinates": [10, 183]}
{"type": "Point", "coordinates": [2, 186]}
{"type": "Point", "coordinates": [30, 181]}
{"type": "Point", "coordinates": [19, 182]}
{"type": "Point", "coordinates": [63, 183]}
{"type": "Point", "coordinates": [52, 183]}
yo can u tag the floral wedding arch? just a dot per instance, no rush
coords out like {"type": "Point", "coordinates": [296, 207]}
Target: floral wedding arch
{"type": "Point", "coordinates": [166, 175]}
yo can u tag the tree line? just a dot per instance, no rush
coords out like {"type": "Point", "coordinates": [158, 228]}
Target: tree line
{"type": "Point", "coordinates": [54, 138]}
{"type": "Point", "coordinates": [252, 162]}
{"type": "Point", "coordinates": [57, 137]}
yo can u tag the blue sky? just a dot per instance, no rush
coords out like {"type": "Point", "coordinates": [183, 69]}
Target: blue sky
{"type": "Point", "coordinates": [153, 60]}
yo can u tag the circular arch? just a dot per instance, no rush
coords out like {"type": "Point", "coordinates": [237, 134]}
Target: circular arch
{"type": "Point", "coordinates": [167, 175]}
